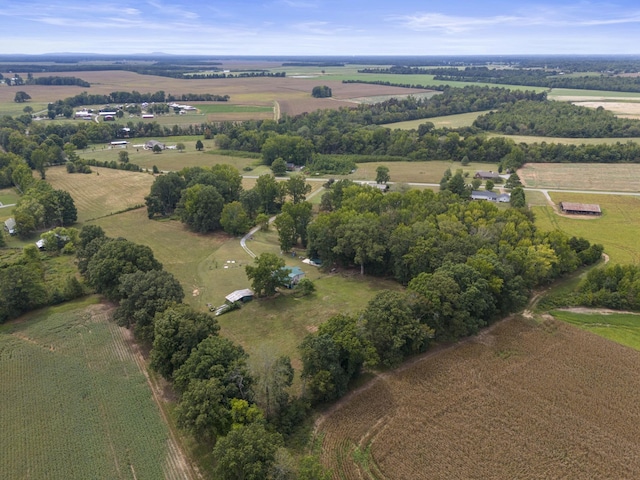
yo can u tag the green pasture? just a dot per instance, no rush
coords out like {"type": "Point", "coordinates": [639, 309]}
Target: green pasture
{"type": "Point", "coordinates": [8, 196]}
{"type": "Point", "coordinates": [448, 121]}
{"type": "Point", "coordinates": [211, 266]}
{"type": "Point", "coordinates": [417, 172]}
{"type": "Point", "coordinates": [622, 328]}
{"type": "Point", "coordinates": [14, 109]}
{"type": "Point", "coordinates": [75, 404]}
{"type": "Point", "coordinates": [169, 159]}
{"type": "Point", "coordinates": [562, 93]}
{"type": "Point", "coordinates": [565, 140]}
{"type": "Point", "coordinates": [616, 229]}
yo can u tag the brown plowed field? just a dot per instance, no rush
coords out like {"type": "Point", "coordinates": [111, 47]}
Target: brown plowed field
{"type": "Point", "coordinates": [523, 400]}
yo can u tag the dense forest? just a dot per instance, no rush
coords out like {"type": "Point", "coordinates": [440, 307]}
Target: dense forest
{"type": "Point", "coordinates": [557, 119]}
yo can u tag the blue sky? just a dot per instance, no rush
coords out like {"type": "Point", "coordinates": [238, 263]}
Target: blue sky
{"type": "Point", "coordinates": [317, 27]}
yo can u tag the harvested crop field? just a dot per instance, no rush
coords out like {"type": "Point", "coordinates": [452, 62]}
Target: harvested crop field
{"type": "Point", "coordinates": [523, 400]}
{"type": "Point", "coordinates": [103, 192]}
{"type": "Point", "coordinates": [619, 177]}
{"type": "Point", "coordinates": [294, 94]}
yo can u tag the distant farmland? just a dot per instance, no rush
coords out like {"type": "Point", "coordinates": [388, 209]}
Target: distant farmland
{"type": "Point", "coordinates": [523, 400]}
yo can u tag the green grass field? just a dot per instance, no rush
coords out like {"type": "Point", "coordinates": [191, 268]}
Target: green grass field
{"type": "Point", "coordinates": [566, 140]}
{"type": "Point", "coordinates": [564, 93]}
{"type": "Point", "coordinates": [622, 328]}
{"type": "Point", "coordinates": [75, 404]}
{"type": "Point", "coordinates": [616, 229]}
{"type": "Point", "coordinates": [170, 159]}
{"type": "Point", "coordinates": [447, 121]}
{"type": "Point", "coordinates": [416, 172]}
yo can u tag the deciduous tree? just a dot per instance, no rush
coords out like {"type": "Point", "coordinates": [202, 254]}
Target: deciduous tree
{"type": "Point", "coordinates": [267, 274]}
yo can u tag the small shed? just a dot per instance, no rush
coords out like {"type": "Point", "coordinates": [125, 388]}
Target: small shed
{"type": "Point", "coordinates": [580, 208]}
{"type": "Point", "coordinates": [243, 296]}
{"type": "Point", "coordinates": [294, 275]}
{"type": "Point", "coordinates": [10, 226]}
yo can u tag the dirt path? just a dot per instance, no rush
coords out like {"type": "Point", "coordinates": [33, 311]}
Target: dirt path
{"type": "Point", "coordinates": [177, 464]}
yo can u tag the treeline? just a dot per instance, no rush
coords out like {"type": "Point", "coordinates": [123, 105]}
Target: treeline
{"type": "Point", "coordinates": [42, 207]}
{"type": "Point", "coordinates": [262, 73]}
{"type": "Point", "coordinates": [119, 97]}
{"type": "Point", "coordinates": [557, 119]}
{"type": "Point", "coordinates": [58, 81]}
{"type": "Point", "coordinates": [465, 264]}
{"type": "Point", "coordinates": [212, 198]}
{"type": "Point", "coordinates": [226, 405]}
{"type": "Point", "coordinates": [30, 279]}
{"type": "Point", "coordinates": [614, 286]}
{"type": "Point", "coordinates": [533, 77]}
{"type": "Point", "coordinates": [396, 84]}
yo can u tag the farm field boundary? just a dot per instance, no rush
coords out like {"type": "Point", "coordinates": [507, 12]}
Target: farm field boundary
{"type": "Point", "coordinates": [72, 360]}
{"type": "Point", "coordinates": [522, 391]}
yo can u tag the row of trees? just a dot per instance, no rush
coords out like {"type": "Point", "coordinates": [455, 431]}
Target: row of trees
{"type": "Point", "coordinates": [538, 75]}
{"type": "Point", "coordinates": [244, 412]}
{"type": "Point", "coordinates": [557, 119]}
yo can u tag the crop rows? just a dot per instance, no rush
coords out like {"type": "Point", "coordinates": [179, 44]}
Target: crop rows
{"type": "Point", "coordinates": [521, 402]}
{"type": "Point", "coordinates": [75, 404]}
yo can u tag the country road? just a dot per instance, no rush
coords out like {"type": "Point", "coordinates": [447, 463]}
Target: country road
{"type": "Point", "coordinates": [243, 240]}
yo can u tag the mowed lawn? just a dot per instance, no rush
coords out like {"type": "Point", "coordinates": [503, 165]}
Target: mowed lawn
{"type": "Point", "coordinates": [622, 328]}
{"type": "Point", "coordinates": [616, 229]}
{"type": "Point", "coordinates": [75, 403]}
{"type": "Point", "coordinates": [417, 172]}
{"type": "Point", "coordinates": [618, 177]}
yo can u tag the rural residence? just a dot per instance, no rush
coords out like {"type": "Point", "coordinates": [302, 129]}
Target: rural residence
{"type": "Point", "coordinates": [490, 196]}
{"type": "Point", "coordinates": [294, 275]}
{"type": "Point", "coordinates": [152, 143]}
{"type": "Point", "coordinates": [482, 175]}
{"type": "Point", "coordinates": [580, 208]}
{"type": "Point", "coordinates": [10, 226]}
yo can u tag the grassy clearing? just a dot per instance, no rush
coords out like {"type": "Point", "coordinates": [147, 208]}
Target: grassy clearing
{"type": "Point", "coordinates": [619, 177]}
{"type": "Point", "coordinates": [616, 229]}
{"type": "Point", "coordinates": [417, 172]}
{"type": "Point", "coordinates": [75, 403]}
{"type": "Point", "coordinates": [8, 196]}
{"type": "Point", "coordinates": [168, 160]}
{"type": "Point", "coordinates": [448, 121]}
{"type": "Point", "coordinates": [565, 94]}
{"type": "Point", "coordinates": [463, 412]}
{"type": "Point", "coordinates": [565, 140]}
{"type": "Point", "coordinates": [620, 327]}
{"type": "Point", "coordinates": [104, 192]}
{"type": "Point", "coordinates": [536, 199]}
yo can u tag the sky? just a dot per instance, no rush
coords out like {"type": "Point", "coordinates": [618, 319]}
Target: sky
{"type": "Point", "coordinates": [318, 27]}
